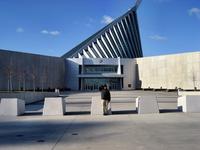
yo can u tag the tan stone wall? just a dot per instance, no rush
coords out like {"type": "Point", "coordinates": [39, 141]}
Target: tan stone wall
{"type": "Point", "coordinates": [170, 71]}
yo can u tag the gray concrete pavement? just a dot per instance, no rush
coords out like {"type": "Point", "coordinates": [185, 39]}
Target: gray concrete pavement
{"type": "Point", "coordinates": [165, 131]}
{"type": "Point", "coordinates": [124, 130]}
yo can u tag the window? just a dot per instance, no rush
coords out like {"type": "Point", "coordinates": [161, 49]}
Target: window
{"type": "Point", "coordinates": [93, 69]}
{"type": "Point", "coordinates": [80, 69]}
{"type": "Point", "coordinates": [79, 83]}
{"type": "Point", "coordinates": [122, 69]}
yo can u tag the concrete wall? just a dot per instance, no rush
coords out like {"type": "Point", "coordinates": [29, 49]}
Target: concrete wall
{"type": "Point", "coordinates": [129, 73]}
{"type": "Point", "coordinates": [28, 97]}
{"type": "Point", "coordinates": [25, 70]}
{"type": "Point", "coordinates": [169, 71]}
{"type": "Point", "coordinates": [72, 67]}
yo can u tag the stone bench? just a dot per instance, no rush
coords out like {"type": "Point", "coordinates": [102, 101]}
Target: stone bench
{"type": "Point", "coordinates": [189, 103]}
{"type": "Point", "coordinates": [12, 107]}
{"type": "Point", "coordinates": [97, 106]}
{"type": "Point", "coordinates": [147, 105]}
{"type": "Point", "coordinates": [54, 106]}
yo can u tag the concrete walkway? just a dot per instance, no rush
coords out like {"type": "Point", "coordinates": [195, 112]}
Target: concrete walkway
{"type": "Point", "coordinates": [165, 131]}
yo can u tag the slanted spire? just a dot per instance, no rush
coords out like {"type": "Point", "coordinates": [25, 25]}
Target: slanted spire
{"type": "Point", "coordinates": [120, 38]}
{"type": "Point", "coordinates": [137, 3]}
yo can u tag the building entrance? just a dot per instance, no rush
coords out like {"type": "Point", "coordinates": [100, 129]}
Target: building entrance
{"type": "Point", "coordinates": [93, 84]}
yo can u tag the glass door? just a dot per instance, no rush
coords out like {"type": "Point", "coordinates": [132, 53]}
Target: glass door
{"type": "Point", "coordinates": [93, 84]}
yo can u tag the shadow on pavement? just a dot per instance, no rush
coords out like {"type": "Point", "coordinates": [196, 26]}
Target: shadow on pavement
{"type": "Point", "coordinates": [32, 114]}
{"type": "Point", "coordinates": [124, 112]}
{"type": "Point", "coordinates": [169, 110]}
{"type": "Point", "coordinates": [78, 113]}
{"type": "Point", "coordinates": [29, 133]}
{"type": "Point", "coordinates": [120, 112]}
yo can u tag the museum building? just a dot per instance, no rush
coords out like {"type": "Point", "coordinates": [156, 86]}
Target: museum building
{"type": "Point", "coordinates": [111, 56]}
{"type": "Point", "coordinates": [103, 57]}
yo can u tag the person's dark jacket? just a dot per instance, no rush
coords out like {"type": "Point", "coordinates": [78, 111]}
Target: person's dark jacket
{"type": "Point", "coordinates": [105, 95]}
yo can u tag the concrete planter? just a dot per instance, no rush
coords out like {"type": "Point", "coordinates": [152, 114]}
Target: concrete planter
{"type": "Point", "coordinates": [147, 105]}
{"type": "Point", "coordinates": [12, 107]}
{"type": "Point", "coordinates": [189, 103]}
{"type": "Point", "coordinates": [54, 106]}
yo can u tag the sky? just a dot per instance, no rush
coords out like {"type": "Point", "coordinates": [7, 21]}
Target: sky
{"type": "Point", "coordinates": [53, 27]}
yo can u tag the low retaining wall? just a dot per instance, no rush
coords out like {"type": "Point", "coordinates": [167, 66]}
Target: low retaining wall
{"type": "Point", "coordinates": [29, 97]}
{"type": "Point", "coordinates": [184, 93]}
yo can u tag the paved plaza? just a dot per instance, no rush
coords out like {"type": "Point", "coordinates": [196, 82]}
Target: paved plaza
{"type": "Point", "coordinates": [124, 130]}
{"type": "Point", "coordinates": [82, 132]}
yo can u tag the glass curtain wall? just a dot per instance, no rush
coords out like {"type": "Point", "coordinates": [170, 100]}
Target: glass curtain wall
{"type": "Point", "coordinates": [93, 84]}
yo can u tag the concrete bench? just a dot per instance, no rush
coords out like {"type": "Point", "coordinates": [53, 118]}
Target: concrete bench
{"type": "Point", "coordinates": [147, 105]}
{"type": "Point", "coordinates": [12, 107]}
{"type": "Point", "coordinates": [97, 106]}
{"type": "Point", "coordinates": [189, 103]}
{"type": "Point", "coordinates": [54, 106]}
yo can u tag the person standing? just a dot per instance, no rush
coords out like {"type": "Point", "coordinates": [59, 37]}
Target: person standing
{"type": "Point", "coordinates": [105, 96]}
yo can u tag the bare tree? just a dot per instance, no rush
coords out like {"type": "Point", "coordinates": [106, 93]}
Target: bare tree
{"type": "Point", "coordinates": [19, 77]}
{"type": "Point", "coordinates": [24, 80]}
{"type": "Point", "coordinates": [44, 78]}
{"type": "Point", "coordinates": [9, 71]}
{"type": "Point", "coordinates": [33, 76]}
